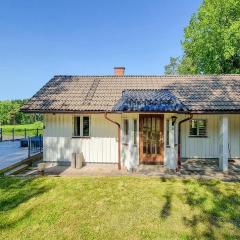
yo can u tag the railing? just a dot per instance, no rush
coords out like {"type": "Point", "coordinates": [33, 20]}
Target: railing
{"type": "Point", "coordinates": [17, 134]}
{"type": "Point", "coordinates": [35, 145]}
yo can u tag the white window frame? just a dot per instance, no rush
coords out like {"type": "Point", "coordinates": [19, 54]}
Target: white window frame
{"type": "Point", "coordinates": [198, 135]}
{"type": "Point", "coordinates": [81, 126]}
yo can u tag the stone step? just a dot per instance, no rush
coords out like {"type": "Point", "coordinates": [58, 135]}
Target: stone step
{"type": "Point", "coordinates": [16, 170]}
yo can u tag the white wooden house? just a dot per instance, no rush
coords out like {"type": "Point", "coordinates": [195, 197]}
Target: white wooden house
{"type": "Point", "coordinates": [132, 120]}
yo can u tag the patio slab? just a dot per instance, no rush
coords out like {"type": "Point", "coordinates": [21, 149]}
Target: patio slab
{"type": "Point", "coordinates": [88, 170]}
{"type": "Point", "coordinates": [190, 169]}
{"type": "Point", "coordinates": [11, 152]}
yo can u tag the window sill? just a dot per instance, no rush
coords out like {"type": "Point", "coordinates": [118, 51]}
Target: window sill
{"type": "Point", "coordinates": [87, 137]}
{"type": "Point", "coordinates": [198, 136]}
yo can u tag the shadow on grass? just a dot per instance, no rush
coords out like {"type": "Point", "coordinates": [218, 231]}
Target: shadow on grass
{"type": "Point", "coordinates": [6, 224]}
{"type": "Point", "coordinates": [216, 206]}
{"type": "Point", "coordinates": [15, 191]}
{"type": "Point", "coordinates": [166, 210]}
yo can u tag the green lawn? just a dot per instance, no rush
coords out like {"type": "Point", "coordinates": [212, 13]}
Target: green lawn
{"type": "Point", "coordinates": [19, 129]}
{"type": "Point", "coordinates": [118, 208]}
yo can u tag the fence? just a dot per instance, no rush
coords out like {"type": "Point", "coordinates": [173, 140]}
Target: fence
{"type": "Point", "coordinates": [35, 145]}
{"type": "Point", "coordinates": [17, 134]}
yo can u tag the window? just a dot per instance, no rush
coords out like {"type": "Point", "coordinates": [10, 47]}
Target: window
{"type": "Point", "coordinates": [86, 126]}
{"type": "Point", "coordinates": [135, 131]}
{"type": "Point", "coordinates": [167, 132]}
{"type": "Point", "coordinates": [125, 130]}
{"type": "Point", "coordinates": [76, 132]}
{"type": "Point", "coordinates": [198, 128]}
{"type": "Point", "coordinates": [81, 126]}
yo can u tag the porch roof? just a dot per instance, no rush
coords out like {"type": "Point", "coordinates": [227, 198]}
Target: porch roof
{"type": "Point", "coordinates": [149, 101]}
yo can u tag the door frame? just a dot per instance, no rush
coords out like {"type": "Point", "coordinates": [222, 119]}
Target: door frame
{"type": "Point", "coordinates": [161, 161]}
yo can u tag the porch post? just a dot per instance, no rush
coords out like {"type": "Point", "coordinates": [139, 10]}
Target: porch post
{"type": "Point", "coordinates": [172, 155]}
{"type": "Point", "coordinates": [223, 144]}
{"type": "Point", "coordinates": [130, 145]}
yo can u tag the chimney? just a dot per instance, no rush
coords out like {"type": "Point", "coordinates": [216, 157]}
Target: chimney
{"type": "Point", "coordinates": [119, 71]}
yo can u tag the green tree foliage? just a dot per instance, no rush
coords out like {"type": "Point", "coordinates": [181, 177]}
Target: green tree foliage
{"type": "Point", "coordinates": [212, 39]}
{"type": "Point", "coordinates": [10, 113]}
{"type": "Point", "coordinates": [172, 67]}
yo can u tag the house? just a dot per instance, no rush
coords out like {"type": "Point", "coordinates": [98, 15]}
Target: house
{"type": "Point", "coordinates": [132, 120]}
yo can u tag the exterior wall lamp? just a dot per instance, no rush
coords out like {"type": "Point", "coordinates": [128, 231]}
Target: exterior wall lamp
{"type": "Point", "coordinates": [174, 119]}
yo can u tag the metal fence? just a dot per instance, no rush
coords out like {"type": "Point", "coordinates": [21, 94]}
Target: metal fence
{"type": "Point", "coordinates": [17, 134]}
{"type": "Point", "coordinates": [35, 145]}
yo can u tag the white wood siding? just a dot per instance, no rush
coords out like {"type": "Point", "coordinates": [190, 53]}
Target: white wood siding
{"type": "Point", "coordinates": [197, 147]}
{"type": "Point", "coordinates": [201, 147]}
{"type": "Point", "coordinates": [100, 147]}
{"type": "Point", "coordinates": [234, 136]}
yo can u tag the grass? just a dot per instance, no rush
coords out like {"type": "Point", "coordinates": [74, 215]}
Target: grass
{"type": "Point", "coordinates": [118, 208]}
{"type": "Point", "coordinates": [19, 129]}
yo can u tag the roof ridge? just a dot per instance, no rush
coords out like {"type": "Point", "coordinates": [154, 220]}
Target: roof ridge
{"type": "Point", "coordinates": [148, 76]}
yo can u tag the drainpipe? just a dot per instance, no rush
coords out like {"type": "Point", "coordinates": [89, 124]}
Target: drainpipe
{"type": "Point", "coordinates": [179, 141]}
{"type": "Point", "coordinates": [119, 137]}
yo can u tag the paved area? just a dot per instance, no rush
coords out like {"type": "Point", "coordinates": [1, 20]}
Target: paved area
{"type": "Point", "coordinates": [196, 168]}
{"type": "Point", "coordinates": [88, 170]}
{"type": "Point", "coordinates": [207, 169]}
{"type": "Point", "coordinates": [11, 152]}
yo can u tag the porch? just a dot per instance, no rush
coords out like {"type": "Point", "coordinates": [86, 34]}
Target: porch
{"type": "Point", "coordinates": [161, 139]}
{"type": "Point", "coordinates": [196, 168]}
{"type": "Point", "coordinates": [191, 168]}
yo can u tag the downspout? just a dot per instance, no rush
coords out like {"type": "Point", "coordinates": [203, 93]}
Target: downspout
{"type": "Point", "coordinates": [119, 137]}
{"type": "Point", "coordinates": [179, 141]}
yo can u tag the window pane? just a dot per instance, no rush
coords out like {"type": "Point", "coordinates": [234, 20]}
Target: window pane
{"type": "Point", "coordinates": [149, 124]}
{"type": "Point", "coordinates": [202, 130]}
{"type": "Point", "coordinates": [167, 135]}
{"type": "Point", "coordinates": [198, 127]}
{"type": "Point", "coordinates": [125, 130]}
{"type": "Point", "coordinates": [153, 124]}
{"type": "Point", "coordinates": [125, 127]}
{"type": "Point", "coordinates": [85, 126]}
{"type": "Point", "coordinates": [149, 148]}
{"type": "Point", "coordinates": [193, 128]}
{"type": "Point", "coordinates": [158, 125]}
{"type": "Point", "coordinates": [153, 148]}
{"type": "Point", "coordinates": [135, 131]}
{"type": "Point", "coordinates": [158, 149]}
{"type": "Point", "coordinates": [76, 126]}
{"type": "Point", "coordinates": [144, 147]}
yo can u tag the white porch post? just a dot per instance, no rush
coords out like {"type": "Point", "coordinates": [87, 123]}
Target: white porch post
{"type": "Point", "coordinates": [223, 144]}
{"type": "Point", "coordinates": [171, 151]}
{"type": "Point", "coordinates": [131, 164]}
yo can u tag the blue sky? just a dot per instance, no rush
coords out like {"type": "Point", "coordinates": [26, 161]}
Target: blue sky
{"type": "Point", "coordinates": [42, 38]}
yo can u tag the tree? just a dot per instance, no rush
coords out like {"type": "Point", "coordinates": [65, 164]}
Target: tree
{"type": "Point", "coordinates": [212, 39]}
{"type": "Point", "coordinates": [186, 66]}
{"type": "Point", "coordinates": [171, 68]}
{"type": "Point", "coordinates": [10, 113]}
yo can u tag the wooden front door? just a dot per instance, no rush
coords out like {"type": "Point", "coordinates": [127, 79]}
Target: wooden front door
{"type": "Point", "coordinates": [151, 139]}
